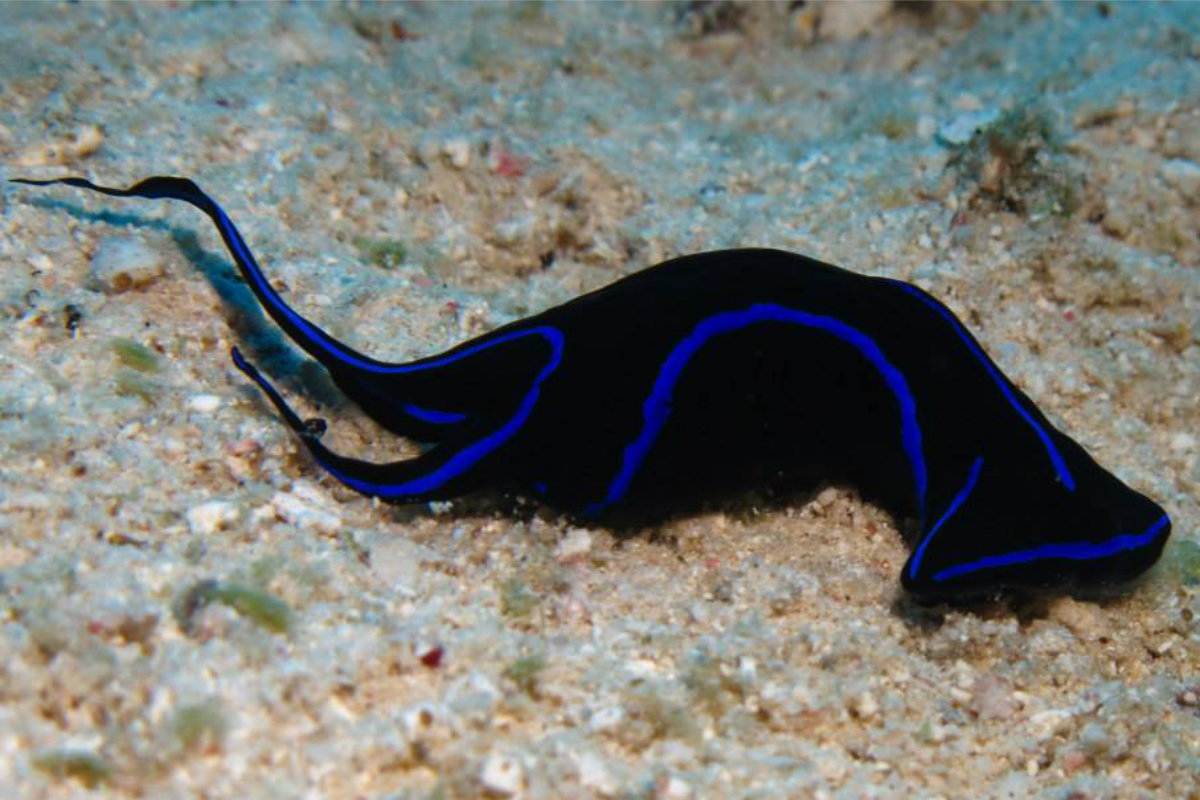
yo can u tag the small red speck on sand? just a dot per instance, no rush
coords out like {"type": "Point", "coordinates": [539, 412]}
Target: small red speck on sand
{"type": "Point", "coordinates": [422, 281]}
{"type": "Point", "coordinates": [244, 448]}
{"type": "Point", "coordinates": [509, 166]}
{"type": "Point", "coordinates": [1069, 315]}
{"type": "Point", "coordinates": [401, 33]}
{"type": "Point", "coordinates": [96, 628]}
{"type": "Point", "coordinates": [1073, 760]}
{"type": "Point", "coordinates": [712, 563]}
{"type": "Point", "coordinates": [451, 307]}
{"type": "Point", "coordinates": [432, 657]}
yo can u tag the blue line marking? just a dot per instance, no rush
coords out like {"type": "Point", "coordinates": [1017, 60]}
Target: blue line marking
{"type": "Point", "coordinates": [657, 408]}
{"type": "Point", "coordinates": [432, 415]}
{"type": "Point", "coordinates": [466, 458]}
{"type": "Point", "coordinates": [1060, 465]}
{"type": "Point", "coordinates": [315, 334]}
{"type": "Point", "coordinates": [959, 499]}
{"type": "Point", "coordinates": [1074, 551]}
{"type": "Point", "coordinates": [310, 330]}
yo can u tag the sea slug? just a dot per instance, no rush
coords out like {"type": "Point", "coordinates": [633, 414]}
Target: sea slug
{"type": "Point", "coordinates": [713, 373]}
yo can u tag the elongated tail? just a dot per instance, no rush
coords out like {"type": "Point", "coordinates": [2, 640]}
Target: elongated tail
{"type": "Point", "coordinates": [444, 471]}
{"type": "Point", "coordinates": [410, 399]}
{"type": "Point", "coordinates": [431, 476]}
{"type": "Point", "coordinates": [316, 342]}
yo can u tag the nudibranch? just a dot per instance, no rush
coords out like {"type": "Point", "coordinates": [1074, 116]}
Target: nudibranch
{"type": "Point", "coordinates": [718, 372]}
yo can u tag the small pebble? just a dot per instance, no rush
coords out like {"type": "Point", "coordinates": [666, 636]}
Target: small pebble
{"type": "Point", "coordinates": [1084, 620]}
{"type": "Point", "coordinates": [863, 706]}
{"type": "Point", "coordinates": [574, 546]}
{"type": "Point", "coordinates": [299, 507]}
{"type": "Point", "coordinates": [41, 262]}
{"type": "Point", "coordinates": [1116, 223]}
{"type": "Point", "coordinates": [1184, 175]}
{"type": "Point", "coordinates": [1094, 740]}
{"type": "Point", "coordinates": [458, 151]}
{"type": "Point", "coordinates": [594, 775]}
{"type": "Point", "coordinates": [208, 518]}
{"type": "Point", "coordinates": [830, 763]}
{"type": "Point", "coordinates": [826, 497]}
{"type": "Point", "coordinates": [418, 721]}
{"type": "Point", "coordinates": [502, 775]}
{"type": "Point", "coordinates": [1073, 760]}
{"type": "Point", "coordinates": [122, 263]}
{"type": "Point", "coordinates": [992, 698]}
{"type": "Point", "coordinates": [674, 788]}
{"type": "Point", "coordinates": [842, 22]}
{"type": "Point", "coordinates": [962, 128]}
{"type": "Point", "coordinates": [1183, 442]}
{"type": "Point", "coordinates": [606, 719]}
{"type": "Point", "coordinates": [87, 140]}
{"type": "Point", "coordinates": [968, 102]}
{"type": "Point", "coordinates": [204, 403]}
{"type": "Point", "coordinates": [245, 448]}
{"type": "Point", "coordinates": [926, 126]}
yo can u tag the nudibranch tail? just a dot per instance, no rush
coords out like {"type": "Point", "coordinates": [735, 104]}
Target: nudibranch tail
{"type": "Point", "coordinates": [412, 406]}
{"type": "Point", "coordinates": [309, 337]}
{"type": "Point", "coordinates": [426, 477]}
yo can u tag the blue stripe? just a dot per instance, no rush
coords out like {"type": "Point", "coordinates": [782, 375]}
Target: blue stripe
{"type": "Point", "coordinates": [1060, 465]}
{"type": "Point", "coordinates": [467, 457]}
{"type": "Point", "coordinates": [657, 408]}
{"type": "Point", "coordinates": [242, 253]}
{"type": "Point", "coordinates": [432, 415]}
{"type": "Point", "coordinates": [959, 499]}
{"type": "Point", "coordinates": [1073, 551]}
{"type": "Point", "coordinates": [333, 348]}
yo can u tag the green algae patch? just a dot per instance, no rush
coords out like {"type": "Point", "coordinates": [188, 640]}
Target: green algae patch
{"type": "Point", "coordinates": [265, 569]}
{"type": "Point", "coordinates": [517, 599]}
{"type": "Point", "coordinates": [1183, 558]}
{"type": "Point", "coordinates": [199, 727]}
{"type": "Point", "coordinates": [383, 253]}
{"type": "Point", "coordinates": [1017, 164]}
{"type": "Point", "coordinates": [651, 716]}
{"type": "Point", "coordinates": [135, 355]}
{"type": "Point", "coordinates": [133, 384]}
{"type": "Point", "coordinates": [82, 765]}
{"type": "Point", "coordinates": [717, 689]}
{"type": "Point", "coordinates": [896, 126]}
{"type": "Point", "coordinates": [355, 548]}
{"type": "Point", "coordinates": [525, 673]}
{"type": "Point", "coordinates": [259, 606]}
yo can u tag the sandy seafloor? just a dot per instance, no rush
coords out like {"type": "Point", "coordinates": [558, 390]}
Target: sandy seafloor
{"type": "Point", "coordinates": [521, 154]}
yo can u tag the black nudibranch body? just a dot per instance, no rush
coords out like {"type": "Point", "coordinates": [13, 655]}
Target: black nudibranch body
{"type": "Point", "coordinates": [718, 372]}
